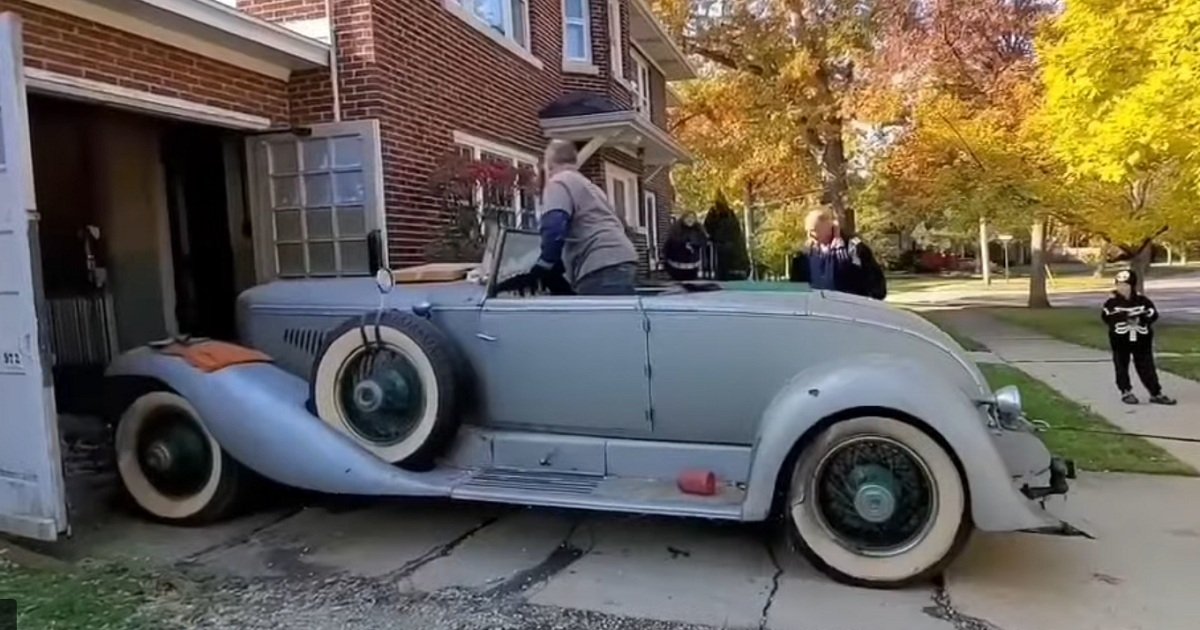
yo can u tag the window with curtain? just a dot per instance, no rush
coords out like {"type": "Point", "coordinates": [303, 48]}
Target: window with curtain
{"type": "Point", "coordinates": [577, 35]}
{"type": "Point", "coordinates": [509, 18]}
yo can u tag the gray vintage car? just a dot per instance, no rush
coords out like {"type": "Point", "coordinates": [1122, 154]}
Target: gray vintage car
{"type": "Point", "coordinates": [865, 429]}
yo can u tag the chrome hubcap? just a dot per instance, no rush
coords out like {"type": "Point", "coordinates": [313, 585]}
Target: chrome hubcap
{"type": "Point", "coordinates": [158, 457]}
{"type": "Point", "coordinates": [874, 503]}
{"type": "Point", "coordinates": [368, 396]}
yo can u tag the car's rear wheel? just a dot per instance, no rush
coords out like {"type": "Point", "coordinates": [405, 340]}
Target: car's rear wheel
{"type": "Point", "coordinates": [878, 502]}
{"type": "Point", "coordinates": [171, 465]}
{"type": "Point", "coordinates": [391, 387]}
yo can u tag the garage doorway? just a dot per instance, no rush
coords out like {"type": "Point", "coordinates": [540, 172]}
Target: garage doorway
{"type": "Point", "coordinates": [139, 228]}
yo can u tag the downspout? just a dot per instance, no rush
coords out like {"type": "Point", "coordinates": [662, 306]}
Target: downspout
{"type": "Point", "coordinates": [334, 78]}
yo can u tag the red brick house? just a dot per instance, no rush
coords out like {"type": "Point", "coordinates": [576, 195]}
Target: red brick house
{"type": "Point", "coordinates": [193, 148]}
{"type": "Point", "coordinates": [159, 156]}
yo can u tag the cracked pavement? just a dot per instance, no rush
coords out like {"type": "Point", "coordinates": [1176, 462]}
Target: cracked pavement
{"type": "Point", "coordinates": [324, 563]}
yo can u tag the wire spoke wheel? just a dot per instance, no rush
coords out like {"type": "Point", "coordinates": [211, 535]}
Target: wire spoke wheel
{"type": "Point", "coordinates": [381, 395]}
{"type": "Point", "coordinates": [874, 495]}
{"type": "Point", "coordinates": [878, 502]}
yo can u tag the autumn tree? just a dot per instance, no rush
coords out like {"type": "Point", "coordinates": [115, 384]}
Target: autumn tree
{"type": "Point", "coordinates": [802, 61]}
{"type": "Point", "coordinates": [1123, 97]}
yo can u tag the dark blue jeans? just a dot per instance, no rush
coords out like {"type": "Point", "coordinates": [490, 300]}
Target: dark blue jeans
{"type": "Point", "coordinates": [612, 280]}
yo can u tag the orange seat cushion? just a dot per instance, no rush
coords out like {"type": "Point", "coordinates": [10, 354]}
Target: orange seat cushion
{"type": "Point", "coordinates": [210, 356]}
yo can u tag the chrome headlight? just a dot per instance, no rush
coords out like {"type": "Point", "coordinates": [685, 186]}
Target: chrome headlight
{"type": "Point", "coordinates": [1008, 402]}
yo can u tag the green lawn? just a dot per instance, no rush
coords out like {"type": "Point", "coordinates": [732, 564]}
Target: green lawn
{"type": "Point", "coordinates": [943, 322]}
{"type": "Point", "coordinates": [1083, 326]}
{"type": "Point", "coordinates": [1091, 451]}
{"type": "Point", "coordinates": [90, 596]}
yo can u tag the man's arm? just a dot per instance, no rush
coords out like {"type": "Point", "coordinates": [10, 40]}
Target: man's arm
{"type": "Point", "coordinates": [555, 223]}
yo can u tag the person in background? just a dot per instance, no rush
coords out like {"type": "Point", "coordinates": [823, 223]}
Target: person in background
{"type": "Point", "coordinates": [1130, 317]}
{"type": "Point", "coordinates": [681, 252]}
{"type": "Point", "coordinates": [833, 261]}
{"type": "Point", "coordinates": [581, 231]}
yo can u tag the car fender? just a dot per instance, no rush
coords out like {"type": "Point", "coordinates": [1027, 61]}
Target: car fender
{"type": "Point", "coordinates": [257, 413]}
{"type": "Point", "coordinates": [886, 383]}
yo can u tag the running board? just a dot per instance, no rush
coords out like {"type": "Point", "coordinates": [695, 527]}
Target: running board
{"type": "Point", "coordinates": [591, 492]}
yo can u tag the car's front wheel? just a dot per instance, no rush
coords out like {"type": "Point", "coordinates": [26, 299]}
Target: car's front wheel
{"type": "Point", "coordinates": [878, 502]}
{"type": "Point", "coordinates": [171, 465]}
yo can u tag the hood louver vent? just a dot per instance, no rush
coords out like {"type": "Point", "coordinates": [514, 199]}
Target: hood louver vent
{"type": "Point", "coordinates": [306, 339]}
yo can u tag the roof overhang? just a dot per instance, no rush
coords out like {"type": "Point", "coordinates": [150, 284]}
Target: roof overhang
{"type": "Point", "coordinates": [625, 129]}
{"type": "Point", "coordinates": [208, 28]}
{"type": "Point", "coordinates": [648, 34]}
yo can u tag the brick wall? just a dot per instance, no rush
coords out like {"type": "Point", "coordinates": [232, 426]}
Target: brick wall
{"type": "Point", "coordinates": [601, 58]}
{"type": "Point", "coordinates": [67, 45]}
{"type": "Point", "coordinates": [438, 74]}
{"type": "Point", "coordinates": [284, 10]}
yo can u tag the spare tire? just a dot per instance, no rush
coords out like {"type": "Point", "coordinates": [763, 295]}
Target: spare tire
{"type": "Point", "coordinates": [390, 386]}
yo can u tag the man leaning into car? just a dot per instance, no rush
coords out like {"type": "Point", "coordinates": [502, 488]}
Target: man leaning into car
{"type": "Point", "coordinates": [581, 230]}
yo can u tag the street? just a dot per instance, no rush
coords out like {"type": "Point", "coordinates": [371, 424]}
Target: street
{"type": "Point", "coordinates": [1177, 297]}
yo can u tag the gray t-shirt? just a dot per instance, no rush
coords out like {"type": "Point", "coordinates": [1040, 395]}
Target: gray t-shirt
{"type": "Point", "coordinates": [596, 238]}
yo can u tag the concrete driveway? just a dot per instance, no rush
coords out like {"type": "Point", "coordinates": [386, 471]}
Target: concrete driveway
{"type": "Point", "coordinates": [433, 564]}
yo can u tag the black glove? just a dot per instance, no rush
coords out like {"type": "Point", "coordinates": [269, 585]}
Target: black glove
{"type": "Point", "coordinates": [541, 278]}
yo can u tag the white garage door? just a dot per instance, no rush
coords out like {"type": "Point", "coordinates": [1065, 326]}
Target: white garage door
{"type": "Point", "coordinates": [32, 501]}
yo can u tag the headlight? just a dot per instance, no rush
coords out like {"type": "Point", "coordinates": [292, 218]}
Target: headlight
{"type": "Point", "coordinates": [1008, 401]}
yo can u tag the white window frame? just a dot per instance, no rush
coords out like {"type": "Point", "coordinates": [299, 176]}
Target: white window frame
{"type": "Point", "coordinates": [615, 43]}
{"type": "Point", "coordinates": [650, 206]}
{"type": "Point", "coordinates": [479, 146]}
{"type": "Point", "coordinates": [613, 173]}
{"type": "Point", "coordinates": [259, 178]}
{"type": "Point", "coordinates": [464, 10]}
{"type": "Point", "coordinates": [640, 85]}
{"type": "Point", "coordinates": [585, 21]}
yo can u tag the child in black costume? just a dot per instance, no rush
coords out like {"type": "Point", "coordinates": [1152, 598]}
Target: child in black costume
{"type": "Point", "coordinates": [1129, 316]}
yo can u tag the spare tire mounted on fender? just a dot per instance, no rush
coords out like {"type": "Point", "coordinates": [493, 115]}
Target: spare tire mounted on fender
{"type": "Point", "coordinates": [389, 384]}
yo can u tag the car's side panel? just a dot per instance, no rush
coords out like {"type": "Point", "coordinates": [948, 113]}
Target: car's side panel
{"type": "Point", "coordinates": [570, 364]}
{"type": "Point", "coordinates": [894, 383]}
{"type": "Point", "coordinates": [256, 412]}
{"type": "Point", "coordinates": [714, 373]}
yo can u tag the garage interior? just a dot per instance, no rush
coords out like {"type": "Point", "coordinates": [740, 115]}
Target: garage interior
{"type": "Point", "coordinates": [143, 234]}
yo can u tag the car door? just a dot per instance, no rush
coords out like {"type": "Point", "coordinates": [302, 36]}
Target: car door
{"type": "Point", "coordinates": [32, 500]}
{"type": "Point", "coordinates": [571, 364]}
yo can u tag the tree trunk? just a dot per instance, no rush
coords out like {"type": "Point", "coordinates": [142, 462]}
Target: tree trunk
{"type": "Point", "coordinates": [1170, 255]}
{"type": "Point", "coordinates": [835, 184]}
{"type": "Point", "coordinates": [749, 225]}
{"type": "Point", "coordinates": [1102, 263]}
{"type": "Point", "coordinates": [985, 256]}
{"type": "Point", "coordinates": [1037, 275]}
{"type": "Point", "coordinates": [1140, 264]}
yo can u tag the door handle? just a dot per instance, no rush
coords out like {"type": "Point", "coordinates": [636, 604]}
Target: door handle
{"type": "Point", "coordinates": [485, 336]}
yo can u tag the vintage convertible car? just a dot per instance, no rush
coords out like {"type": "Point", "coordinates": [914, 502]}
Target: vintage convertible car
{"type": "Point", "coordinates": [865, 429]}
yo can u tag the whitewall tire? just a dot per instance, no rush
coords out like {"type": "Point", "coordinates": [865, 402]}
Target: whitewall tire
{"type": "Point", "coordinates": [396, 394]}
{"type": "Point", "coordinates": [170, 464]}
{"type": "Point", "coordinates": [878, 502]}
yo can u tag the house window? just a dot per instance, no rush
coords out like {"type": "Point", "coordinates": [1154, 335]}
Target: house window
{"type": "Point", "coordinates": [623, 194]}
{"type": "Point", "coordinates": [515, 206]}
{"type": "Point", "coordinates": [577, 31]}
{"type": "Point", "coordinates": [614, 39]}
{"type": "Point", "coordinates": [509, 18]}
{"type": "Point", "coordinates": [316, 199]}
{"type": "Point", "coordinates": [649, 217]}
{"type": "Point", "coordinates": [641, 83]}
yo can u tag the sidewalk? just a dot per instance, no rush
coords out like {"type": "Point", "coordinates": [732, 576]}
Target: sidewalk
{"type": "Point", "coordinates": [1085, 375]}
